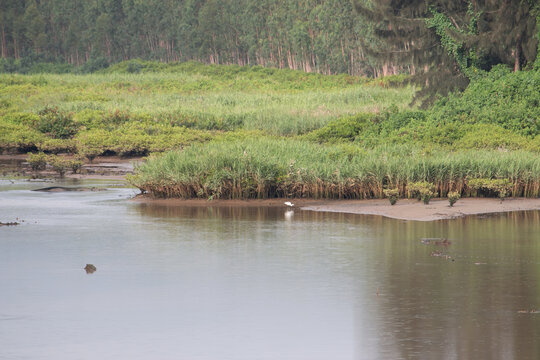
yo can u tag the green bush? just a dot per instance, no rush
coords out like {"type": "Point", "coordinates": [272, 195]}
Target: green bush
{"type": "Point", "coordinates": [56, 146]}
{"type": "Point", "coordinates": [59, 164]}
{"type": "Point", "coordinates": [56, 123]}
{"type": "Point", "coordinates": [345, 129]}
{"type": "Point", "coordinates": [419, 189]}
{"type": "Point", "coordinates": [453, 197]}
{"type": "Point", "coordinates": [397, 120]}
{"type": "Point", "coordinates": [426, 195]}
{"type": "Point", "coordinates": [392, 195]}
{"type": "Point", "coordinates": [490, 187]}
{"type": "Point", "coordinates": [18, 137]}
{"type": "Point", "coordinates": [76, 165]}
{"type": "Point", "coordinates": [490, 136]}
{"type": "Point", "coordinates": [509, 99]}
{"type": "Point", "coordinates": [37, 161]}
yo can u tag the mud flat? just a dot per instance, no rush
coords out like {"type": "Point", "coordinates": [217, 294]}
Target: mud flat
{"type": "Point", "coordinates": [405, 209]}
{"type": "Point", "coordinates": [103, 167]}
{"type": "Point", "coordinates": [436, 210]}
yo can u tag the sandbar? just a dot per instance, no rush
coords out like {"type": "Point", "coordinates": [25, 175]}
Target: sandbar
{"type": "Point", "coordinates": [405, 209]}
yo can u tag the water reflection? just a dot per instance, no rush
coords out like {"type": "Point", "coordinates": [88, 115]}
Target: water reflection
{"type": "Point", "coordinates": [261, 282]}
{"type": "Point", "coordinates": [428, 307]}
{"type": "Point", "coordinates": [447, 310]}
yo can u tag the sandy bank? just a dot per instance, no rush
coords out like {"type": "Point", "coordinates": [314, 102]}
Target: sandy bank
{"type": "Point", "coordinates": [437, 209]}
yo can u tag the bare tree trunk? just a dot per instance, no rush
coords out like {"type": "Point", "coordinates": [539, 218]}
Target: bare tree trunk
{"type": "Point", "coordinates": [517, 54]}
{"type": "Point", "coordinates": [385, 69]}
{"type": "Point", "coordinates": [108, 44]}
{"type": "Point", "coordinates": [15, 48]}
{"type": "Point", "coordinates": [4, 45]}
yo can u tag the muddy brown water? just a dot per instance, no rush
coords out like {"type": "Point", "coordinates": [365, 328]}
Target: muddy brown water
{"type": "Point", "coordinates": [258, 282]}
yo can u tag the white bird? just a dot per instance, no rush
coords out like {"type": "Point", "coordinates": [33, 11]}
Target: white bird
{"type": "Point", "coordinates": [288, 203]}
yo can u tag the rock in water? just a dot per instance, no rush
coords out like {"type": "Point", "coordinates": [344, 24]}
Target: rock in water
{"type": "Point", "coordinates": [65, 189]}
{"type": "Point", "coordinates": [90, 269]}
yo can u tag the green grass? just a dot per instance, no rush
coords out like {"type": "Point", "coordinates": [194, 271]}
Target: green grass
{"type": "Point", "coordinates": [253, 132]}
{"type": "Point", "coordinates": [281, 102]}
{"type": "Point", "coordinates": [269, 167]}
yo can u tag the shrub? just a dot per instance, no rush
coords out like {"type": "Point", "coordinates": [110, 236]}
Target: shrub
{"type": "Point", "coordinates": [417, 189]}
{"type": "Point", "coordinates": [392, 195]}
{"type": "Point", "coordinates": [510, 99]}
{"type": "Point", "coordinates": [489, 136]}
{"type": "Point", "coordinates": [18, 137]}
{"type": "Point", "coordinates": [37, 161]}
{"type": "Point", "coordinates": [76, 165]}
{"type": "Point", "coordinates": [490, 187]}
{"type": "Point", "coordinates": [56, 146]}
{"type": "Point", "coordinates": [56, 123]}
{"type": "Point", "coordinates": [426, 195]}
{"type": "Point", "coordinates": [344, 129]}
{"type": "Point", "coordinates": [453, 197]}
{"type": "Point", "coordinates": [59, 164]}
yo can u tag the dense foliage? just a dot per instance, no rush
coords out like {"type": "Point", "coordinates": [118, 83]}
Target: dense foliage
{"type": "Point", "coordinates": [259, 132]}
{"type": "Point", "coordinates": [262, 168]}
{"type": "Point", "coordinates": [315, 35]}
{"type": "Point", "coordinates": [447, 43]}
{"type": "Point", "coordinates": [484, 141]}
{"type": "Point", "coordinates": [436, 37]}
{"type": "Point", "coordinates": [167, 106]}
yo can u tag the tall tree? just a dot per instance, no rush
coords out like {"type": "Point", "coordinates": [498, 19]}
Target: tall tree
{"type": "Point", "coordinates": [448, 42]}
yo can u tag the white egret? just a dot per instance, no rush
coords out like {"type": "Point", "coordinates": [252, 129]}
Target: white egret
{"type": "Point", "coordinates": [288, 203]}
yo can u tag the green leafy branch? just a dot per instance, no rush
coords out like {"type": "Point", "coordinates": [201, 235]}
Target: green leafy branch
{"type": "Point", "coordinates": [465, 58]}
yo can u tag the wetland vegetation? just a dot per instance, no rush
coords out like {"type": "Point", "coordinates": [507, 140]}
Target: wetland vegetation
{"type": "Point", "coordinates": [251, 132]}
{"type": "Point", "coordinates": [259, 133]}
{"type": "Point", "coordinates": [245, 122]}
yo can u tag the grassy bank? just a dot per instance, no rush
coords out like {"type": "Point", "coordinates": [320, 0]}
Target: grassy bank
{"type": "Point", "coordinates": [251, 132]}
{"type": "Point", "coordinates": [163, 106]}
{"type": "Point", "coordinates": [267, 168]}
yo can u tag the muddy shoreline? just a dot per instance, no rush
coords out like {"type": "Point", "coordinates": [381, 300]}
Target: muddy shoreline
{"type": "Point", "coordinates": [405, 209]}
{"type": "Point", "coordinates": [103, 167]}
{"type": "Point", "coordinates": [116, 168]}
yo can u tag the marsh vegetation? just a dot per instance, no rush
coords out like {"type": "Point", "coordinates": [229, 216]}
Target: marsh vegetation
{"type": "Point", "coordinates": [251, 132]}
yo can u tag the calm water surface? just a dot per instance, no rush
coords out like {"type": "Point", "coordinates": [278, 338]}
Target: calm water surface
{"type": "Point", "coordinates": [258, 283]}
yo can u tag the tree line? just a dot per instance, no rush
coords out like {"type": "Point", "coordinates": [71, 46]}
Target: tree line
{"type": "Point", "coordinates": [359, 37]}
{"type": "Point", "coordinates": [310, 35]}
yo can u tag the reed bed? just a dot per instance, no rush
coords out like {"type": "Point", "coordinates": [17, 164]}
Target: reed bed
{"type": "Point", "coordinates": [274, 168]}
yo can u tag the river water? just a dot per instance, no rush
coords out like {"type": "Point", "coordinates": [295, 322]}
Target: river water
{"type": "Point", "coordinates": [258, 283]}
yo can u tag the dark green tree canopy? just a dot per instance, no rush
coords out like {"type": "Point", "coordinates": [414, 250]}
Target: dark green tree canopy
{"type": "Point", "coordinates": [312, 35]}
{"type": "Point", "coordinates": [446, 43]}
{"type": "Point", "coordinates": [381, 37]}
